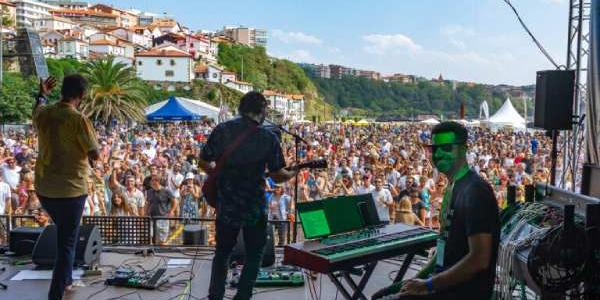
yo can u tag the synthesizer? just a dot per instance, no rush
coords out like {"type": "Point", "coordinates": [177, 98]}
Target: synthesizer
{"type": "Point", "coordinates": [343, 251]}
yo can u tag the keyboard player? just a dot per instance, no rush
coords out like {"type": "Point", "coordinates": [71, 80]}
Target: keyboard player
{"type": "Point", "coordinates": [464, 264]}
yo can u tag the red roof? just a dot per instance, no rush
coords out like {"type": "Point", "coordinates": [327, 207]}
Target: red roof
{"type": "Point", "coordinates": [163, 53]}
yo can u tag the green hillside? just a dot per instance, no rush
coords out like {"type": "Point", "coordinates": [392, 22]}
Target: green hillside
{"type": "Point", "coordinates": [269, 73]}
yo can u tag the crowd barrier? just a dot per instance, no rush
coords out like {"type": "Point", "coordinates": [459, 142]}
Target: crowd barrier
{"type": "Point", "coordinates": [142, 231]}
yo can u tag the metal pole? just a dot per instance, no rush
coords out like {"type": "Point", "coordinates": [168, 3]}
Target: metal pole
{"type": "Point", "coordinates": [1, 54]}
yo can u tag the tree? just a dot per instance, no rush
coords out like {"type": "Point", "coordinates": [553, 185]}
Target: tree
{"type": "Point", "coordinates": [114, 92]}
{"type": "Point", "coordinates": [16, 98]}
{"type": "Point", "coordinates": [7, 20]}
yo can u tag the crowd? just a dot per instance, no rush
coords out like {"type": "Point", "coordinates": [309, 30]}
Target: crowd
{"type": "Point", "coordinates": [152, 170]}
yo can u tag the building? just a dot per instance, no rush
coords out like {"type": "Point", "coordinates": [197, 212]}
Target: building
{"type": "Point", "coordinates": [400, 78]}
{"type": "Point", "coordinates": [73, 48]}
{"type": "Point", "coordinates": [131, 35]}
{"type": "Point", "coordinates": [227, 76]}
{"type": "Point", "coordinates": [27, 11]}
{"type": "Point", "coordinates": [124, 18]}
{"type": "Point", "coordinates": [163, 26]}
{"type": "Point", "coordinates": [50, 23]}
{"type": "Point", "coordinates": [291, 107]}
{"type": "Point", "coordinates": [241, 86]}
{"type": "Point", "coordinates": [337, 71]}
{"type": "Point", "coordinates": [246, 36]}
{"type": "Point", "coordinates": [87, 17]}
{"type": "Point", "coordinates": [368, 74]}
{"type": "Point", "coordinates": [52, 37]}
{"type": "Point", "coordinates": [164, 64]}
{"type": "Point", "coordinates": [9, 10]}
{"type": "Point", "coordinates": [70, 4]}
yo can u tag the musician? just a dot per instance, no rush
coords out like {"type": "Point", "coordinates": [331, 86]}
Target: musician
{"type": "Point", "coordinates": [464, 264]}
{"type": "Point", "coordinates": [67, 143]}
{"type": "Point", "coordinates": [241, 200]}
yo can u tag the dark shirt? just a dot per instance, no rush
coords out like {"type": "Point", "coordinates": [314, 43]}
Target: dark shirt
{"type": "Point", "coordinates": [474, 210]}
{"type": "Point", "coordinates": [417, 207]}
{"type": "Point", "coordinates": [240, 184]}
{"type": "Point", "coordinates": [158, 202]}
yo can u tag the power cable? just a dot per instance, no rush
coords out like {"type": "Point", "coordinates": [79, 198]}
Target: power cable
{"type": "Point", "coordinates": [537, 43]}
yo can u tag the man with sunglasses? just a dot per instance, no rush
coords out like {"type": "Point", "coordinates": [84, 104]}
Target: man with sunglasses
{"type": "Point", "coordinates": [464, 264]}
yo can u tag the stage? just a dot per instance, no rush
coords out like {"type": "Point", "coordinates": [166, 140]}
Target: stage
{"type": "Point", "coordinates": [95, 289]}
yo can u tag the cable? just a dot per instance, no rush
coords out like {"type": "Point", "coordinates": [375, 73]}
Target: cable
{"type": "Point", "coordinates": [537, 43]}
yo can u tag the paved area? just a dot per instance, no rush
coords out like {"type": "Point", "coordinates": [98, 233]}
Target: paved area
{"type": "Point", "coordinates": [95, 289]}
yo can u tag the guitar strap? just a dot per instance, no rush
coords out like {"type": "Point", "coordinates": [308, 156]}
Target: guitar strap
{"type": "Point", "coordinates": [219, 164]}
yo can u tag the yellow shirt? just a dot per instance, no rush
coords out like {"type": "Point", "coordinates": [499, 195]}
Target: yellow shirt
{"type": "Point", "coordinates": [65, 137]}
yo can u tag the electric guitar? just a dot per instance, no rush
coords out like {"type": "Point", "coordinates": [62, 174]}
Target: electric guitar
{"type": "Point", "coordinates": [209, 189]}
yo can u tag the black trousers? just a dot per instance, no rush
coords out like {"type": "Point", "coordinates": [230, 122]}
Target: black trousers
{"type": "Point", "coordinates": [255, 238]}
{"type": "Point", "coordinates": [66, 214]}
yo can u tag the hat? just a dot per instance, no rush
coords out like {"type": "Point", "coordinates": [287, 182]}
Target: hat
{"type": "Point", "coordinates": [189, 175]}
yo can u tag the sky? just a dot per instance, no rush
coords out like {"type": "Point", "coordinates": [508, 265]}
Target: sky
{"type": "Point", "coordinates": [466, 40]}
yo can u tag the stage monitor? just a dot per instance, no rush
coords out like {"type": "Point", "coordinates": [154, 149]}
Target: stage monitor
{"type": "Point", "coordinates": [590, 184]}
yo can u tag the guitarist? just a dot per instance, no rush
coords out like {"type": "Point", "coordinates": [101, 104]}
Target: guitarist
{"type": "Point", "coordinates": [240, 194]}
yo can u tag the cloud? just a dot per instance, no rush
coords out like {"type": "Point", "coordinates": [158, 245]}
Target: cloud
{"type": "Point", "coordinates": [382, 44]}
{"type": "Point", "coordinates": [298, 55]}
{"type": "Point", "coordinates": [457, 34]}
{"type": "Point", "coordinates": [555, 1]}
{"type": "Point", "coordinates": [296, 37]}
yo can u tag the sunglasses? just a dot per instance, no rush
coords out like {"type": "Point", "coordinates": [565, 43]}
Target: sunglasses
{"type": "Point", "coordinates": [445, 147]}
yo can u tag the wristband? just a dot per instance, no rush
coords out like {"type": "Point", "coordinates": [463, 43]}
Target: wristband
{"type": "Point", "coordinates": [429, 285]}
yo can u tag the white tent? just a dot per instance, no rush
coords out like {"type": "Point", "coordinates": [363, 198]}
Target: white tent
{"type": "Point", "coordinates": [430, 121]}
{"type": "Point", "coordinates": [507, 115]}
{"type": "Point", "coordinates": [195, 106]}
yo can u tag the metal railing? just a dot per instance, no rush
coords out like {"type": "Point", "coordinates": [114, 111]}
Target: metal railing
{"type": "Point", "coordinates": [142, 231]}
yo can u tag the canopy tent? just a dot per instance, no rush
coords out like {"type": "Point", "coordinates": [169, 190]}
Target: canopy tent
{"type": "Point", "coordinates": [430, 121]}
{"type": "Point", "coordinates": [172, 110]}
{"type": "Point", "coordinates": [362, 122]}
{"type": "Point", "coordinates": [507, 115]}
{"type": "Point", "coordinates": [349, 122]}
{"type": "Point", "coordinates": [194, 107]}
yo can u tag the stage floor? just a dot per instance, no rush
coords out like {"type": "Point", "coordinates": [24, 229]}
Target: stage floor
{"type": "Point", "coordinates": [95, 289]}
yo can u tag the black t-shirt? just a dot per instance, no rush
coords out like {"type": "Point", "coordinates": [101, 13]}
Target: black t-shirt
{"type": "Point", "coordinates": [474, 210]}
{"type": "Point", "coordinates": [417, 207]}
{"type": "Point", "coordinates": [159, 202]}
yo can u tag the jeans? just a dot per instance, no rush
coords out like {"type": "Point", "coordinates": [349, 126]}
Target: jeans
{"type": "Point", "coordinates": [255, 237]}
{"type": "Point", "coordinates": [66, 214]}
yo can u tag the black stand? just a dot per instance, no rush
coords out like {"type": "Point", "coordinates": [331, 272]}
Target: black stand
{"type": "Point", "coordinates": [297, 140]}
{"type": "Point", "coordinates": [355, 290]}
{"type": "Point", "coordinates": [554, 157]}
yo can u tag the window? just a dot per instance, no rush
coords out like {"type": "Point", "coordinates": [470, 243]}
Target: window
{"type": "Point", "coordinates": [169, 73]}
{"type": "Point", "coordinates": [172, 62]}
{"type": "Point", "coordinates": [139, 63]}
{"type": "Point", "coordinates": [158, 62]}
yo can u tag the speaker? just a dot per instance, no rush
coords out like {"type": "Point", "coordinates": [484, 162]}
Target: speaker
{"type": "Point", "coordinates": [554, 93]}
{"type": "Point", "coordinates": [239, 251]}
{"type": "Point", "coordinates": [589, 180]}
{"type": "Point", "coordinates": [22, 240]}
{"type": "Point", "coordinates": [195, 235]}
{"type": "Point", "coordinates": [87, 252]}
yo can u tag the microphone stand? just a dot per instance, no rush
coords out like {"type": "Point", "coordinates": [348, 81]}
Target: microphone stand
{"type": "Point", "coordinates": [297, 140]}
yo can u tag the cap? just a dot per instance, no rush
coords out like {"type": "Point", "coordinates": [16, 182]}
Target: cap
{"type": "Point", "coordinates": [189, 175]}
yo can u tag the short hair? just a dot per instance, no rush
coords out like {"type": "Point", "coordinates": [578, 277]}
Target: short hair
{"type": "Point", "coordinates": [461, 133]}
{"type": "Point", "coordinates": [73, 86]}
{"type": "Point", "coordinates": [253, 103]}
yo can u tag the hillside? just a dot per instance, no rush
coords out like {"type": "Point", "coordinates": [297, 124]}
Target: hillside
{"type": "Point", "coordinates": [377, 98]}
{"type": "Point", "coordinates": [269, 73]}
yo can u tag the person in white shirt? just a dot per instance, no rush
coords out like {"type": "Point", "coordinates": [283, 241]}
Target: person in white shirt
{"type": "Point", "coordinates": [366, 187]}
{"type": "Point", "coordinates": [175, 179]}
{"type": "Point", "coordinates": [5, 196]}
{"type": "Point", "coordinates": [383, 200]}
{"type": "Point", "coordinates": [149, 151]}
{"type": "Point", "coordinates": [11, 173]}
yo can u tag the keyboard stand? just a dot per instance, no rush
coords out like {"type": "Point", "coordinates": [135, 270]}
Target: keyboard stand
{"type": "Point", "coordinates": [355, 290]}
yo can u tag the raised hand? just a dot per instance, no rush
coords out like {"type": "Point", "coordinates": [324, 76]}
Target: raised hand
{"type": "Point", "coordinates": [47, 85]}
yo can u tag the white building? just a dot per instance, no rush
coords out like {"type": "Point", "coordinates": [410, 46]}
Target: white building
{"type": "Point", "coordinates": [291, 107]}
{"type": "Point", "coordinates": [52, 37]}
{"type": "Point", "coordinates": [30, 10]}
{"type": "Point", "coordinates": [242, 87]}
{"type": "Point", "coordinates": [227, 76]}
{"type": "Point", "coordinates": [105, 47]}
{"type": "Point", "coordinates": [164, 64]}
{"type": "Point", "coordinates": [53, 23]}
{"type": "Point", "coordinates": [210, 73]}
{"type": "Point", "coordinates": [73, 48]}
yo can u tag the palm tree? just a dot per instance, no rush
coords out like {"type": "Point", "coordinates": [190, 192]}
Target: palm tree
{"type": "Point", "coordinates": [114, 92]}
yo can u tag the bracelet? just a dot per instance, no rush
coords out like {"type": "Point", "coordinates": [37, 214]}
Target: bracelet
{"type": "Point", "coordinates": [429, 285]}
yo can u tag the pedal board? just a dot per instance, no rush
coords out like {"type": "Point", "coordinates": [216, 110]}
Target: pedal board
{"type": "Point", "coordinates": [272, 277]}
{"type": "Point", "coordinates": [125, 277]}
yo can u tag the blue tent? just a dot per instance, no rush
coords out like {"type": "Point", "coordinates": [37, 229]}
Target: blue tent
{"type": "Point", "coordinates": [172, 111]}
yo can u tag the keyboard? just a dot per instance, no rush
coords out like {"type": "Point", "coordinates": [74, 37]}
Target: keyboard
{"type": "Point", "coordinates": [360, 247]}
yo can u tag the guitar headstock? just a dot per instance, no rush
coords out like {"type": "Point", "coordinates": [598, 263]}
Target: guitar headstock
{"type": "Point", "coordinates": [316, 164]}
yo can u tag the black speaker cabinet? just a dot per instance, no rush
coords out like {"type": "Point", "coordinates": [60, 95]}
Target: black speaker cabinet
{"type": "Point", "coordinates": [239, 251]}
{"type": "Point", "coordinates": [88, 248]}
{"type": "Point", "coordinates": [554, 93]}
{"type": "Point", "coordinates": [590, 181]}
{"type": "Point", "coordinates": [22, 240]}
